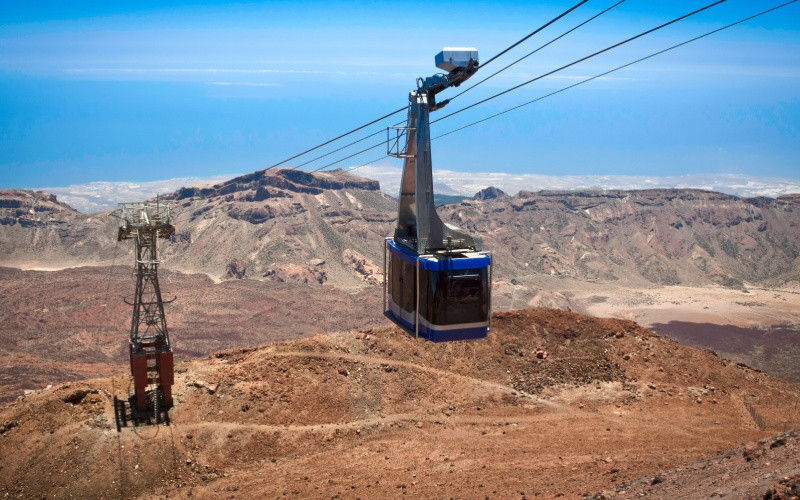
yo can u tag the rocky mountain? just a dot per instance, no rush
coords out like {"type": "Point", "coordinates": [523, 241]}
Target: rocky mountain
{"type": "Point", "coordinates": [491, 193]}
{"type": "Point", "coordinates": [283, 225]}
{"type": "Point", "coordinates": [666, 237]}
{"type": "Point", "coordinates": [550, 404]}
{"type": "Point", "coordinates": [280, 225]}
{"type": "Point", "coordinates": [32, 208]}
{"type": "Point", "coordinates": [328, 227]}
{"type": "Point", "coordinates": [38, 231]}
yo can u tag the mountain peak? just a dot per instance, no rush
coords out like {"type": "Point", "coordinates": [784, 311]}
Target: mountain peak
{"type": "Point", "coordinates": [490, 193]}
{"type": "Point", "coordinates": [278, 183]}
{"type": "Point", "coordinates": [31, 208]}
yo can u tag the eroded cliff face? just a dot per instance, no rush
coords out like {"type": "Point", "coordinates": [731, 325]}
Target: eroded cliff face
{"type": "Point", "coordinates": [662, 236]}
{"type": "Point", "coordinates": [32, 208]}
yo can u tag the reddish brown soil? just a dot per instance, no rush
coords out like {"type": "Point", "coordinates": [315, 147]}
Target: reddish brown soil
{"type": "Point", "coordinates": [57, 326]}
{"type": "Point", "coordinates": [551, 403]}
{"type": "Point", "coordinates": [766, 469]}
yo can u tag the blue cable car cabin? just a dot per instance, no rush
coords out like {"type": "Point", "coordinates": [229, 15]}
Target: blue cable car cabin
{"type": "Point", "coordinates": [453, 293]}
{"type": "Point", "coordinates": [437, 282]}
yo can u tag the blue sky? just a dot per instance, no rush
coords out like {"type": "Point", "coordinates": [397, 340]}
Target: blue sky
{"type": "Point", "coordinates": [143, 91]}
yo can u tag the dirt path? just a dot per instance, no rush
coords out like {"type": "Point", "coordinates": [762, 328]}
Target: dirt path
{"type": "Point", "coordinates": [359, 358]}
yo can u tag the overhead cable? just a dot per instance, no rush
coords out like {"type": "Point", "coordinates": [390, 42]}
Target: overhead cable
{"type": "Point", "coordinates": [599, 75]}
{"type": "Point", "coordinates": [536, 50]}
{"type": "Point", "coordinates": [346, 146]}
{"type": "Point", "coordinates": [487, 78]}
{"type": "Point", "coordinates": [654, 54]}
{"type": "Point", "coordinates": [337, 138]}
{"type": "Point", "coordinates": [516, 87]}
{"type": "Point", "coordinates": [533, 33]}
{"type": "Point", "coordinates": [582, 59]}
{"type": "Point", "coordinates": [405, 107]}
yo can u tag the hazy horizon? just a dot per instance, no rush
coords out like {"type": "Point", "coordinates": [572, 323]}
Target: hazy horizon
{"type": "Point", "coordinates": [145, 91]}
{"type": "Point", "coordinates": [104, 195]}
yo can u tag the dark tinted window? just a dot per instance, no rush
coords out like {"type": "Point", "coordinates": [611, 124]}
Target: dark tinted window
{"type": "Point", "coordinates": [464, 288]}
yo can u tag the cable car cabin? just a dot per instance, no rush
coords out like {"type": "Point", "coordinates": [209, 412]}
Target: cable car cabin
{"type": "Point", "coordinates": [442, 297]}
{"type": "Point", "coordinates": [437, 282]}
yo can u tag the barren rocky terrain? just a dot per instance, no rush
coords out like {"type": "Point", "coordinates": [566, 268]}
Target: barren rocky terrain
{"type": "Point", "coordinates": [312, 395]}
{"type": "Point", "coordinates": [73, 324]}
{"type": "Point", "coordinates": [551, 403]}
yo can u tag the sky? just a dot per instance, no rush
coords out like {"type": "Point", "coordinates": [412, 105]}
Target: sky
{"type": "Point", "coordinates": [144, 91]}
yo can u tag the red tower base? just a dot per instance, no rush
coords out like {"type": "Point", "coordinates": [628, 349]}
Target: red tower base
{"type": "Point", "coordinates": [160, 371]}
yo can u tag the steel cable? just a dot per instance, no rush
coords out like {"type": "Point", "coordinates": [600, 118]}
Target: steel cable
{"type": "Point", "coordinates": [582, 59]}
{"type": "Point", "coordinates": [533, 33]}
{"type": "Point", "coordinates": [615, 69]}
{"type": "Point", "coordinates": [598, 75]}
{"type": "Point", "coordinates": [480, 82]}
{"type": "Point", "coordinates": [406, 107]}
{"type": "Point", "coordinates": [337, 138]}
{"type": "Point", "coordinates": [549, 73]}
{"type": "Point", "coordinates": [537, 49]}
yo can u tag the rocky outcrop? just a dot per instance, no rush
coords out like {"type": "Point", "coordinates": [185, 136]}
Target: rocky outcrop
{"type": "Point", "coordinates": [491, 193]}
{"type": "Point", "coordinates": [295, 273]}
{"type": "Point", "coordinates": [32, 208]}
{"type": "Point", "coordinates": [363, 268]}
{"type": "Point", "coordinates": [264, 184]}
{"type": "Point", "coordinates": [793, 199]}
{"type": "Point", "coordinates": [236, 269]}
{"type": "Point", "coordinates": [260, 213]}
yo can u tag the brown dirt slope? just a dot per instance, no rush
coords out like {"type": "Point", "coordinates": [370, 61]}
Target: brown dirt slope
{"type": "Point", "coordinates": [550, 403]}
{"type": "Point", "coordinates": [767, 468]}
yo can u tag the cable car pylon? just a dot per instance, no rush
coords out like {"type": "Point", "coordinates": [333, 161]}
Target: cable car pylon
{"type": "Point", "coordinates": [151, 357]}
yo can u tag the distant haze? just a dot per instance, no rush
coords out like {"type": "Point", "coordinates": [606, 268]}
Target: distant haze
{"type": "Point", "coordinates": [101, 196]}
{"type": "Point", "coordinates": [469, 183]}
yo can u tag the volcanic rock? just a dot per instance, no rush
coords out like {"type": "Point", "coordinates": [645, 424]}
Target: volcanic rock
{"type": "Point", "coordinates": [491, 193]}
{"type": "Point", "coordinates": [32, 208]}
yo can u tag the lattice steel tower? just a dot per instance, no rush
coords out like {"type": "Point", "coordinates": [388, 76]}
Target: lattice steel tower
{"type": "Point", "coordinates": [150, 350]}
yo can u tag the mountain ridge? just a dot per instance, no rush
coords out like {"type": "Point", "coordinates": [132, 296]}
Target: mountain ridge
{"type": "Point", "coordinates": [275, 223]}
